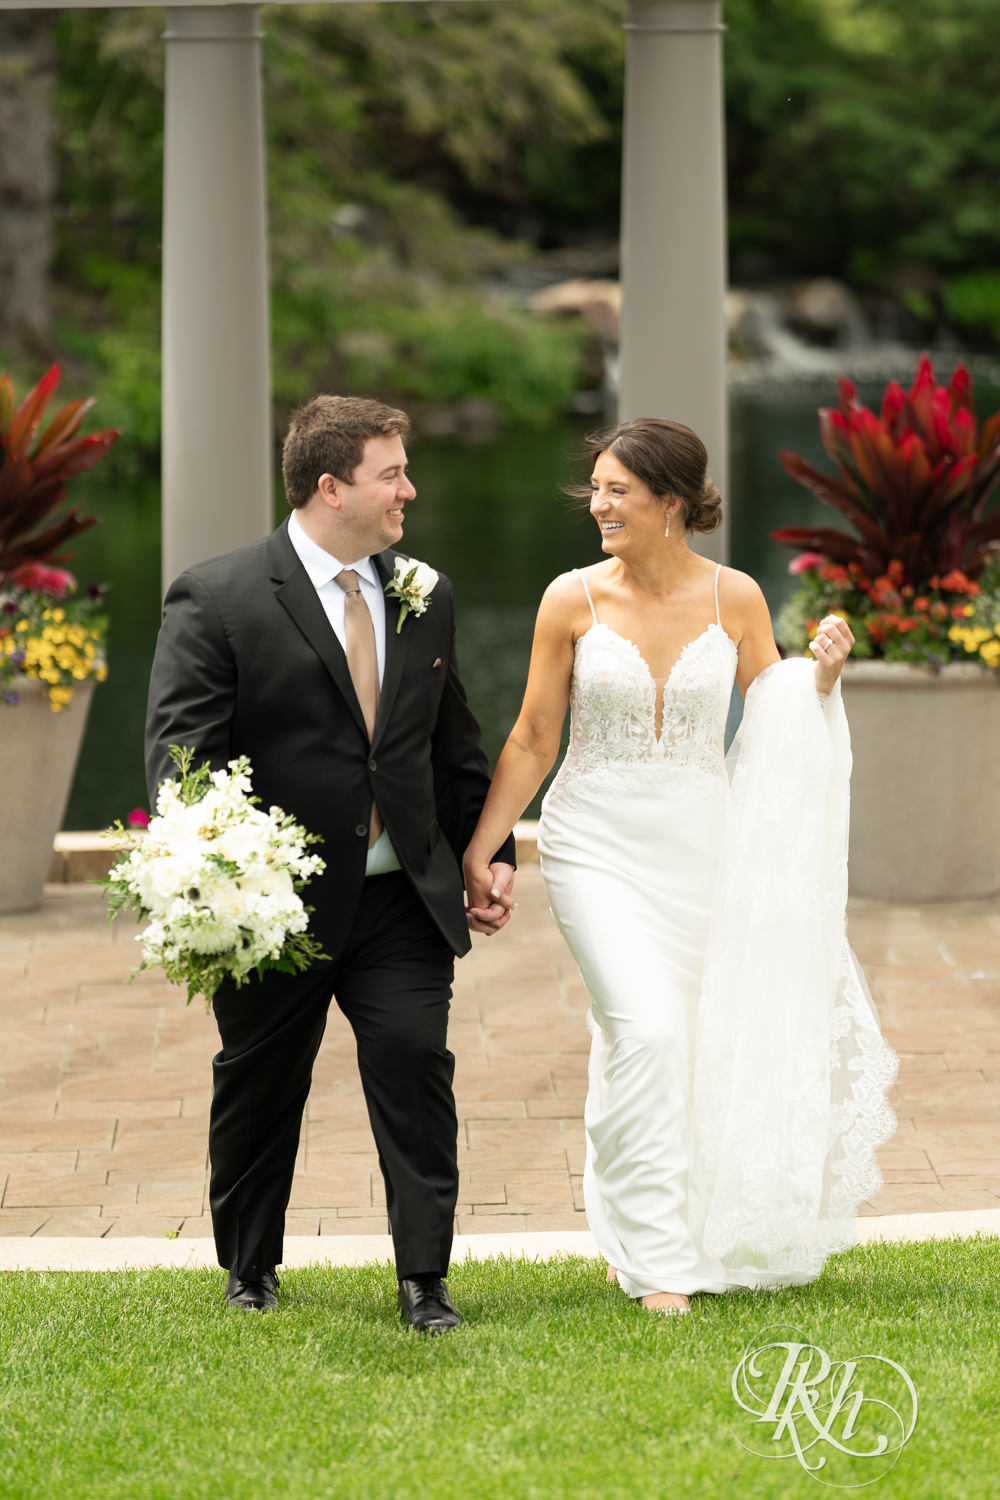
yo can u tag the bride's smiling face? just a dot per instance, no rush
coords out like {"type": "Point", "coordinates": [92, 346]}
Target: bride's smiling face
{"type": "Point", "coordinates": [625, 509]}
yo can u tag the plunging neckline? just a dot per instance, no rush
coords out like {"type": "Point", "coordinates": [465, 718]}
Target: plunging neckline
{"type": "Point", "coordinates": [659, 689]}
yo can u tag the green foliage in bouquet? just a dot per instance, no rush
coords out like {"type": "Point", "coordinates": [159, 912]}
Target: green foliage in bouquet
{"type": "Point", "coordinates": [918, 577]}
{"type": "Point", "coordinates": [219, 880]}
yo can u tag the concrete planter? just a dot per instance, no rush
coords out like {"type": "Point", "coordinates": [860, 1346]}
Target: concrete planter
{"type": "Point", "coordinates": [38, 752]}
{"type": "Point", "coordinates": [925, 792]}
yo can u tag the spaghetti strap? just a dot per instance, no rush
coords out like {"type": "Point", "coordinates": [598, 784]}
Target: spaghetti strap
{"type": "Point", "coordinates": [718, 617]}
{"type": "Point", "coordinates": [590, 601]}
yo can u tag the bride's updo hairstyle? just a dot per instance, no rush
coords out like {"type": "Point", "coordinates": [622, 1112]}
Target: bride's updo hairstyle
{"type": "Point", "coordinates": [670, 460]}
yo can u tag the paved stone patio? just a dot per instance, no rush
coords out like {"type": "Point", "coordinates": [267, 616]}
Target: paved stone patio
{"type": "Point", "coordinates": [104, 1085]}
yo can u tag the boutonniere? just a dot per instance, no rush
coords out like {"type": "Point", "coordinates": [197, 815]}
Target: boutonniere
{"type": "Point", "coordinates": [411, 583]}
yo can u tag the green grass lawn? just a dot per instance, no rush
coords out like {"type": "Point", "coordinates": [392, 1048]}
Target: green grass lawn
{"type": "Point", "coordinates": [139, 1384]}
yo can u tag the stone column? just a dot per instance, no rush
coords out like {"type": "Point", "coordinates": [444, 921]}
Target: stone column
{"type": "Point", "coordinates": [673, 349]}
{"type": "Point", "coordinates": [217, 438]}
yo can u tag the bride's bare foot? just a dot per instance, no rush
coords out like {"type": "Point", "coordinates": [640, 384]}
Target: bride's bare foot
{"type": "Point", "coordinates": [666, 1302]}
{"type": "Point", "coordinates": [612, 1273]}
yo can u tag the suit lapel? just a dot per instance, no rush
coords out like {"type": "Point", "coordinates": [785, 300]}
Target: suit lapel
{"type": "Point", "coordinates": [395, 645]}
{"type": "Point", "coordinates": [296, 594]}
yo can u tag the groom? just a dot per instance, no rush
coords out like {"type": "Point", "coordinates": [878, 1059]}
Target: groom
{"type": "Point", "coordinates": [291, 652]}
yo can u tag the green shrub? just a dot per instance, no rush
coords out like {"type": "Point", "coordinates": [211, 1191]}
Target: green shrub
{"type": "Point", "coordinates": [972, 301]}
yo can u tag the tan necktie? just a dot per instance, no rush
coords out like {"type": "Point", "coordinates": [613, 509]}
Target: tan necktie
{"type": "Point", "coordinates": [362, 663]}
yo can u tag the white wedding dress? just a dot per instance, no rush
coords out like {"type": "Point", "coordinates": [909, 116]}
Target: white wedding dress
{"type": "Point", "coordinates": [738, 1076]}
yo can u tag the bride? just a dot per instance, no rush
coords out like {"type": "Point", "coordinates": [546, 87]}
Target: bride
{"type": "Point", "coordinates": [737, 1073]}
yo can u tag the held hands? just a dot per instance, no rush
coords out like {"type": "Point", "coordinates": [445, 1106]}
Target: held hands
{"type": "Point", "coordinates": [489, 890]}
{"type": "Point", "coordinates": [831, 648]}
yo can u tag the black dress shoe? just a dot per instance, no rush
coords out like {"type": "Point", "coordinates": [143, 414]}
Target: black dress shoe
{"type": "Point", "coordinates": [426, 1306]}
{"type": "Point", "coordinates": [252, 1296]}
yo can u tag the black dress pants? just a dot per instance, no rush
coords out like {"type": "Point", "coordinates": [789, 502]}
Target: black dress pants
{"type": "Point", "coordinates": [393, 983]}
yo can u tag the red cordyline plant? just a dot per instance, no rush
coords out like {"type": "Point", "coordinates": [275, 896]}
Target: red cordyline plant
{"type": "Point", "coordinates": [914, 482]}
{"type": "Point", "coordinates": [48, 631]}
{"type": "Point", "coordinates": [34, 468]}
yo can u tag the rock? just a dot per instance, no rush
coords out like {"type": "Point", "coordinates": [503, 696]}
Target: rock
{"type": "Point", "coordinates": [598, 302]}
{"type": "Point", "coordinates": [825, 311]}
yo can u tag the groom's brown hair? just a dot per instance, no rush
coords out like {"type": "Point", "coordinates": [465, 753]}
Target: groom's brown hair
{"type": "Point", "coordinates": [328, 436]}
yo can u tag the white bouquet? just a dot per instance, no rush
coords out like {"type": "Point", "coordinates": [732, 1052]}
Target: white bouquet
{"type": "Point", "coordinates": [219, 880]}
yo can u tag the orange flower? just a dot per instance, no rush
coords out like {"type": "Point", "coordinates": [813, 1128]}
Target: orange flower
{"type": "Point", "coordinates": [957, 583]}
{"type": "Point", "coordinates": [921, 603]}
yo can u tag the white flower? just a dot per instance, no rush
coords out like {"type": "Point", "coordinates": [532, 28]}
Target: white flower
{"type": "Point", "coordinates": [245, 843]}
{"type": "Point", "coordinates": [165, 877]}
{"type": "Point", "coordinates": [412, 583]}
{"type": "Point", "coordinates": [218, 878]}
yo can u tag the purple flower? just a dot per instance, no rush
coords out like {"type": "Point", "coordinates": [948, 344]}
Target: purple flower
{"type": "Point", "coordinates": [10, 698]}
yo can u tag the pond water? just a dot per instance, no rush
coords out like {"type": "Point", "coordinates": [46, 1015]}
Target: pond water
{"type": "Point", "coordinates": [490, 516]}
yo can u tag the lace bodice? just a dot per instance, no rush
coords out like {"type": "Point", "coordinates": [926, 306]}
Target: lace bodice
{"type": "Point", "coordinates": [613, 701]}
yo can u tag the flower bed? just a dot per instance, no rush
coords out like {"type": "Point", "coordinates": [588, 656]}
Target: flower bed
{"type": "Point", "coordinates": [918, 576]}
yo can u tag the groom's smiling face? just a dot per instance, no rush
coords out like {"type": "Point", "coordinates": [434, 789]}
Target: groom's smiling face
{"type": "Point", "coordinates": [367, 510]}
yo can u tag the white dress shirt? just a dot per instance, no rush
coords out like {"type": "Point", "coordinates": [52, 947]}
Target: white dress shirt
{"type": "Point", "coordinates": [322, 568]}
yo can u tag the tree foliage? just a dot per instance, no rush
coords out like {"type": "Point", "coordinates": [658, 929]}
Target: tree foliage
{"type": "Point", "coordinates": [417, 153]}
{"type": "Point", "coordinates": [409, 150]}
{"type": "Point", "coordinates": [864, 136]}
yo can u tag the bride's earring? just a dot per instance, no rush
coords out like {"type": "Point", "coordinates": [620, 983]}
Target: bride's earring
{"type": "Point", "coordinates": [667, 532]}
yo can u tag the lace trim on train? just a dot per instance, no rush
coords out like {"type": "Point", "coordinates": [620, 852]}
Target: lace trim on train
{"type": "Point", "coordinates": [791, 1070]}
{"type": "Point", "coordinates": [790, 1222]}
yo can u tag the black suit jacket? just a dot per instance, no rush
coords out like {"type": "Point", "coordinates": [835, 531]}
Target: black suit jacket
{"type": "Point", "coordinates": [247, 664]}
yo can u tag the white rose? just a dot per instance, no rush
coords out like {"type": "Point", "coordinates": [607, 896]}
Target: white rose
{"type": "Point", "coordinates": [170, 875]}
{"type": "Point", "coordinates": [271, 882]}
{"type": "Point", "coordinates": [243, 843]}
{"type": "Point", "coordinates": [424, 576]}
